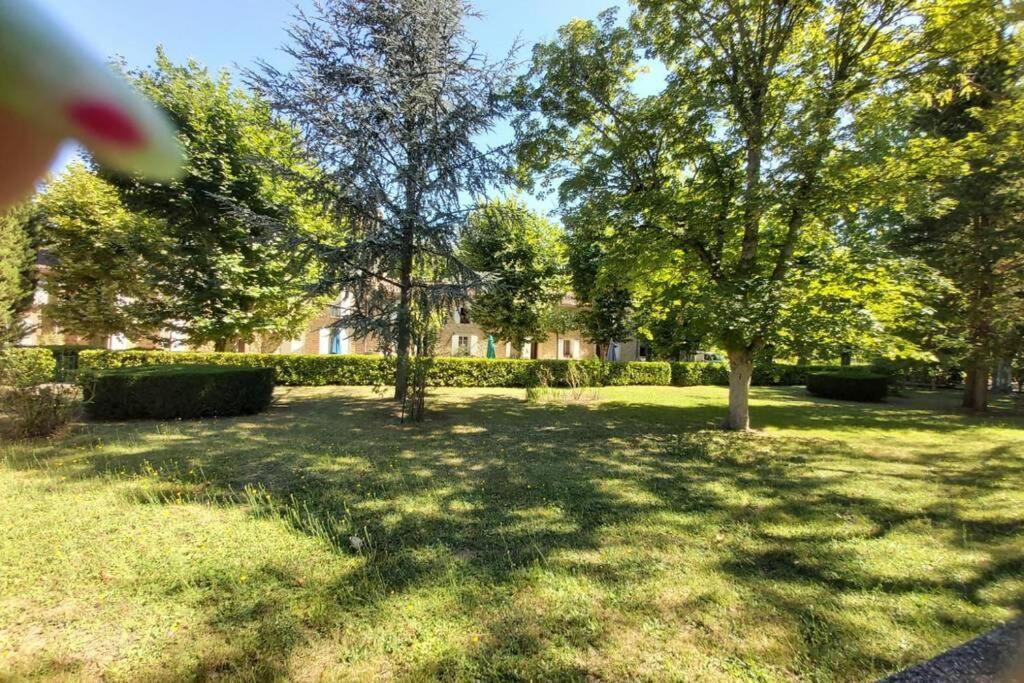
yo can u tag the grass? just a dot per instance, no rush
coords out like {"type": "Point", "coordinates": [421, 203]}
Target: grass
{"type": "Point", "coordinates": [618, 538]}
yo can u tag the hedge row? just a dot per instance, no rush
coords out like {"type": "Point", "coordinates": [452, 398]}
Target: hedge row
{"type": "Point", "coordinates": [26, 366]}
{"type": "Point", "coordinates": [167, 392]}
{"type": "Point", "coordinates": [849, 385]}
{"type": "Point", "coordinates": [689, 374]}
{"type": "Point", "coordinates": [311, 370]}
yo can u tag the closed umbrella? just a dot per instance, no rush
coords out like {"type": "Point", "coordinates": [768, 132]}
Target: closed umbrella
{"type": "Point", "coordinates": [336, 342]}
{"type": "Point", "coordinates": [491, 353]}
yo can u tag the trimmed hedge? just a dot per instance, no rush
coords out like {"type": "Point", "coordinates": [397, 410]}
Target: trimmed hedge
{"type": "Point", "coordinates": [26, 366]}
{"type": "Point", "coordinates": [320, 370]}
{"type": "Point", "coordinates": [169, 392]}
{"type": "Point", "coordinates": [849, 386]}
{"type": "Point", "coordinates": [695, 373]}
{"type": "Point", "coordinates": [290, 369]}
{"type": "Point", "coordinates": [312, 370]}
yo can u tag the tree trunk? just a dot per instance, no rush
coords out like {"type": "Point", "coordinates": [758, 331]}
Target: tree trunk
{"type": "Point", "coordinates": [220, 345]}
{"type": "Point", "coordinates": [741, 370]}
{"type": "Point", "coordinates": [402, 344]}
{"type": "Point", "coordinates": [404, 336]}
{"type": "Point", "coordinates": [845, 358]}
{"type": "Point", "coordinates": [976, 388]}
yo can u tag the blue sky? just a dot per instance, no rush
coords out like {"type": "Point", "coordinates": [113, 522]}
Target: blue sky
{"type": "Point", "coordinates": [228, 33]}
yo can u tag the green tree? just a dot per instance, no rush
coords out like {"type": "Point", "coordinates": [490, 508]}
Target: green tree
{"type": "Point", "coordinates": [222, 278]}
{"type": "Point", "coordinates": [392, 97]}
{"type": "Point", "coordinates": [521, 257]}
{"type": "Point", "coordinates": [99, 281]}
{"type": "Point", "coordinates": [978, 120]}
{"type": "Point", "coordinates": [716, 185]}
{"type": "Point", "coordinates": [861, 302]}
{"type": "Point", "coordinates": [17, 272]}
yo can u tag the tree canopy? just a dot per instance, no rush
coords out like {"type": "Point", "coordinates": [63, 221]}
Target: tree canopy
{"type": "Point", "coordinates": [17, 274]}
{"type": "Point", "coordinates": [222, 279]}
{"type": "Point", "coordinates": [522, 258]}
{"type": "Point", "coordinates": [391, 99]}
{"type": "Point", "coordinates": [721, 184]}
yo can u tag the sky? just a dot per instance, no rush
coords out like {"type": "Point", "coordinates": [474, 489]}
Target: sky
{"type": "Point", "coordinates": [232, 34]}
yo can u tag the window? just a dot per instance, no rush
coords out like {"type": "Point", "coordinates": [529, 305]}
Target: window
{"type": "Point", "coordinates": [643, 352]}
{"type": "Point", "coordinates": [463, 346]}
{"type": "Point", "coordinates": [566, 348]}
{"type": "Point", "coordinates": [464, 315]}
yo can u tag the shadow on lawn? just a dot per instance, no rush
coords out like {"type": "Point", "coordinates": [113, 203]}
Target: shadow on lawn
{"type": "Point", "coordinates": [500, 486]}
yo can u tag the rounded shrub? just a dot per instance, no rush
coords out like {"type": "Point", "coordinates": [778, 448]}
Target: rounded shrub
{"type": "Point", "coordinates": [167, 392]}
{"type": "Point", "coordinates": [848, 385]}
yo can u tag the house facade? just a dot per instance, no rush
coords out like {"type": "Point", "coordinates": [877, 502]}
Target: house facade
{"type": "Point", "coordinates": [325, 335]}
{"type": "Point", "coordinates": [460, 336]}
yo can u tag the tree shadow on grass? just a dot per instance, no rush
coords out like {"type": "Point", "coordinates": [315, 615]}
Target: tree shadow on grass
{"type": "Point", "coordinates": [491, 488]}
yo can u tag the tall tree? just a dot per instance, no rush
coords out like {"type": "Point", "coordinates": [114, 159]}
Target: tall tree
{"type": "Point", "coordinates": [98, 280]}
{"type": "Point", "coordinates": [17, 272]}
{"type": "Point", "coordinates": [522, 256]}
{"type": "Point", "coordinates": [978, 119]}
{"type": "Point", "coordinates": [728, 173]}
{"type": "Point", "coordinates": [223, 279]}
{"type": "Point", "coordinates": [391, 97]}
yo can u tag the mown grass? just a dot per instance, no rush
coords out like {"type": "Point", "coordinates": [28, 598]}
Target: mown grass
{"type": "Point", "coordinates": [619, 538]}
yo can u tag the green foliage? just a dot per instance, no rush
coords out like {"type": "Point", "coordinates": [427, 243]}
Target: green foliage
{"type": "Point", "coordinates": [973, 232]}
{"type": "Point", "coordinates": [861, 301]}
{"type": "Point", "coordinates": [310, 370]}
{"type": "Point", "coordinates": [102, 280]}
{"type": "Point", "coordinates": [17, 275]}
{"type": "Point", "coordinates": [713, 196]}
{"type": "Point", "coordinates": [26, 366]}
{"type": "Point", "coordinates": [166, 392]}
{"type": "Point", "coordinates": [217, 277]}
{"type": "Point", "coordinates": [521, 255]}
{"type": "Point", "coordinates": [686, 374]}
{"type": "Point", "coordinates": [850, 385]}
{"type": "Point", "coordinates": [289, 369]}
{"type": "Point", "coordinates": [689, 374]}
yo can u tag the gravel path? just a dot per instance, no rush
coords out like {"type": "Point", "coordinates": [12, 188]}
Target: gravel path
{"type": "Point", "coordinates": [996, 657]}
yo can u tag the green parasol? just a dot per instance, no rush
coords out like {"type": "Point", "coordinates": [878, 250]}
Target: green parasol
{"type": "Point", "coordinates": [490, 347]}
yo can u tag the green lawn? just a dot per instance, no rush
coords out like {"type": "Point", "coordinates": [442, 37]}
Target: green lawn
{"type": "Point", "coordinates": [614, 539]}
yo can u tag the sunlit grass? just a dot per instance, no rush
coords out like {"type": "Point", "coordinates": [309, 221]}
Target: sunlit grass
{"type": "Point", "coordinates": [618, 538]}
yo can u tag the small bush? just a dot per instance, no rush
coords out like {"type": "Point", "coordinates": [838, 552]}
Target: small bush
{"type": "Point", "coordinates": [849, 386]}
{"type": "Point", "coordinates": [177, 392]}
{"type": "Point", "coordinates": [38, 411]}
{"type": "Point", "coordinates": [26, 366]}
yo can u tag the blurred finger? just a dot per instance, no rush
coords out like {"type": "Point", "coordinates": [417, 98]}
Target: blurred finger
{"type": "Point", "coordinates": [26, 151]}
